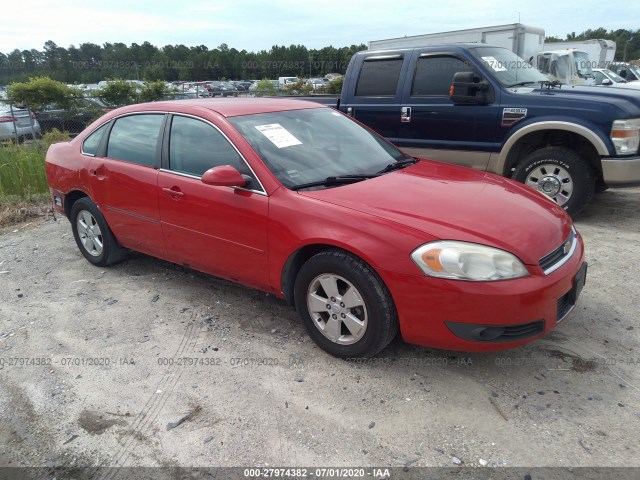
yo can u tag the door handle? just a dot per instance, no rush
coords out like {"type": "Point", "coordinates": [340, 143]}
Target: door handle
{"type": "Point", "coordinates": [173, 192]}
{"type": "Point", "coordinates": [405, 114]}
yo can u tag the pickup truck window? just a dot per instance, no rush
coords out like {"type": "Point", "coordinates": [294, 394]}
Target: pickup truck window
{"type": "Point", "coordinates": [379, 78]}
{"type": "Point", "coordinates": [434, 75]}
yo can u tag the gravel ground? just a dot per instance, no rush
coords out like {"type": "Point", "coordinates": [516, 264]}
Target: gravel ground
{"type": "Point", "coordinates": [150, 364]}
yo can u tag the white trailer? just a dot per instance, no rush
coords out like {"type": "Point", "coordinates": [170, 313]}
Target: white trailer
{"type": "Point", "coordinates": [601, 52]}
{"type": "Point", "coordinates": [525, 41]}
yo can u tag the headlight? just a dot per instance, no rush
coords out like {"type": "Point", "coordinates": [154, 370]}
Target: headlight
{"type": "Point", "coordinates": [625, 135]}
{"type": "Point", "coordinates": [467, 261]}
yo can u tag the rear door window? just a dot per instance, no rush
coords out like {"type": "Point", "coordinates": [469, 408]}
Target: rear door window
{"type": "Point", "coordinates": [134, 139]}
{"type": "Point", "coordinates": [379, 77]}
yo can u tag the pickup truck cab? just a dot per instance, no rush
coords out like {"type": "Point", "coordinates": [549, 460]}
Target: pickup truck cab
{"type": "Point", "coordinates": [486, 108]}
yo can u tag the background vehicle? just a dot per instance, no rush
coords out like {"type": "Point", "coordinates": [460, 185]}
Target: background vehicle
{"type": "Point", "coordinates": [284, 81]}
{"type": "Point", "coordinates": [568, 66]}
{"type": "Point", "coordinates": [606, 77]}
{"type": "Point", "coordinates": [18, 123]}
{"type": "Point", "coordinates": [73, 119]}
{"type": "Point", "coordinates": [317, 83]}
{"type": "Point", "coordinates": [628, 71]}
{"type": "Point", "coordinates": [523, 40]}
{"type": "Point", "coordinates": [601, 52]}
{"type": "Point", "coordinates": [223, 89]}
{"type": "Point", "coordinates": [502, 117]}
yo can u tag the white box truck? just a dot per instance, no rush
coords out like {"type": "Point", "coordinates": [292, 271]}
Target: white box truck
{"type": "Point", "coordinates": [601, 52]}
{"type": "Point", "coordinates": [525, 41]}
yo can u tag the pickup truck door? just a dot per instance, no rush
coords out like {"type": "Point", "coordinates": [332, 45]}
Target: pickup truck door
{"type": "Point", "coordinates": [374, 96]}
{"type": "Point", "coordinates": [432, 126]}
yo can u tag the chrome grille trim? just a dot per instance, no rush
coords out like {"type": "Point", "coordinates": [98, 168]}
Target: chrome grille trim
{"type": "Point", "coordinates": [554, 260]}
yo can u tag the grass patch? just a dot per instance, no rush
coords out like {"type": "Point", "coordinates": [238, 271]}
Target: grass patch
{"type": "Point", "coordinates": [22, 171]}
{"type": "Point", "coordinates": [24, 192]}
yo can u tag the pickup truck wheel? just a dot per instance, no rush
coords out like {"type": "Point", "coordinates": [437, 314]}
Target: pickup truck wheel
{"type": "Point", "coordinates": [560, 174]}
{"type": "Point", "coordinates": [344, 306]}
{"type": "Point", "coordinates": [92, 234]}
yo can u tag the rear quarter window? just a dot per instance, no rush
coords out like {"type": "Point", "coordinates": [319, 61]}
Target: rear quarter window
{"type": "Point", "coordinates": [92, 142]}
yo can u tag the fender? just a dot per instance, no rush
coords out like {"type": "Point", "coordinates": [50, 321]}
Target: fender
{"type": "Point", "coordinates": [497, 161]}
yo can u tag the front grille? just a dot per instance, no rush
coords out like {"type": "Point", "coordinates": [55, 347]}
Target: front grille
{"type": "Point", "coordinates": [555, 259]}
{"type": "Point", "coordinates": [564, 306]}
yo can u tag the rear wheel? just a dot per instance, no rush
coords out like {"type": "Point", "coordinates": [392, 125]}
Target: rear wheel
{"type": "Point", "coordinates": [92, 234]}
{"type": "Point", "coordinates": [560, 174]}
{"type": "Point", "coordinates": [344, 306]}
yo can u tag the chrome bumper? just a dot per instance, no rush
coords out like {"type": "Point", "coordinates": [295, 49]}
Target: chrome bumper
{"type": "Point", "coordinates": [618, 171]}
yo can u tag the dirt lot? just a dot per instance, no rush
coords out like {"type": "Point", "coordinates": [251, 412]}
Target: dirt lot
{"type": "Point", "coordinates": [150, 364]}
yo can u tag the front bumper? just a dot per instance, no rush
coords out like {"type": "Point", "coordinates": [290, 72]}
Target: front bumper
{"type": "Point", "coordinates": [620, 171]}
{"type": "Point", "coordinates": [529, 307]}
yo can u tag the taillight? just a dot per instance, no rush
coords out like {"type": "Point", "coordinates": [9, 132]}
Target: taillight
{"type": "Point", "coordinates": [7, 119]}
{"type": "Point", "coordinates": [33, 116]}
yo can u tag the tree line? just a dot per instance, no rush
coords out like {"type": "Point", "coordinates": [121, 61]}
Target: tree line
{"type": "Point", "coordinates": [91, 63]}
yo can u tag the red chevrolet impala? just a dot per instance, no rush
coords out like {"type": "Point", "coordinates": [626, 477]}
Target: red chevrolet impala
{"type": "Point", "coordinates": [299, 200]}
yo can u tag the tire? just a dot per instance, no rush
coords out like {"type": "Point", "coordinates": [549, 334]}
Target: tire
{"type": "Point", "coordinates": [559, 173]}
{"type": "Point", "coordinates": [355, 293]}
{"type": "Point", "coordinates": [92, 234]}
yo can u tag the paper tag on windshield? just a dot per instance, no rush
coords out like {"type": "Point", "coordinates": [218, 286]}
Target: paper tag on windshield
{"type": "Point", "coordinates": [279, 136]}
{"type": "Point", "coordinates": [494, 63]}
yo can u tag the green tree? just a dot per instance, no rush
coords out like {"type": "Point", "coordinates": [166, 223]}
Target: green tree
{"type": "Point", "coordinates": [117, 92]}
{"type": "Point", "coordinates": [153, 91]}
{"type": "Point", "coordinates": [39, 92]}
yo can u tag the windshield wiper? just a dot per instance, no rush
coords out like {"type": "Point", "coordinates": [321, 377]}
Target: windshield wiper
{"type": "Point", "coordinates": [398, 165]}
{"type": "Point", "coordinates": [521, 84]}
{"type": "Point", "coordinates": [334, 181]}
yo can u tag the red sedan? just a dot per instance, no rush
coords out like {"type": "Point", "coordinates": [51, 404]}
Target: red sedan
{"type": "Point", "coordinates": [301, 201]}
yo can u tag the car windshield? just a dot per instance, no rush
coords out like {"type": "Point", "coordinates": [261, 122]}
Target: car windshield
{"type": "Point", "coordinates": [306, 146]}
{"type": "Point", "coordinates": [635, 70]}
{"type": "Point", "coordinates": [615, 77]}
{"type": "Point", "coordinates": [508, 67]}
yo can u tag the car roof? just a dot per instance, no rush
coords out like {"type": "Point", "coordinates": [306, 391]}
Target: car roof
{"type": "Point", "coordinates": [228, 107]}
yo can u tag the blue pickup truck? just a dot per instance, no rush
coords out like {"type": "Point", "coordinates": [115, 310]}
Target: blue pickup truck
{"type": "Point", "coordinates": [486, 108]}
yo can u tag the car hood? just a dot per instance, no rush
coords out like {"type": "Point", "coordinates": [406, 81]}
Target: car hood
{"type": "Point", "coordinates": [456, 203]}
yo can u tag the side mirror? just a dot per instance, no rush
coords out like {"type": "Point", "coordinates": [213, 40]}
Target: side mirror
{"type": "Point", "coordinates": [224, 176]}
{"type": "Point", "coordinates": [607, 81]}
{"type": "Point", "coordinates": [469, 88]}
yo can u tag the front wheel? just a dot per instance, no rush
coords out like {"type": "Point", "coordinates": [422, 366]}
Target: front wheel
{"type": "Point", "coordinates": [344, 306]}
{"type": "Point", "coordinates": [560, 174]}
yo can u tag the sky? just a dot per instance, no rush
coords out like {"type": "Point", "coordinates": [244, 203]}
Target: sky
{"type": "Point", "coordinates": [255, 26]}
